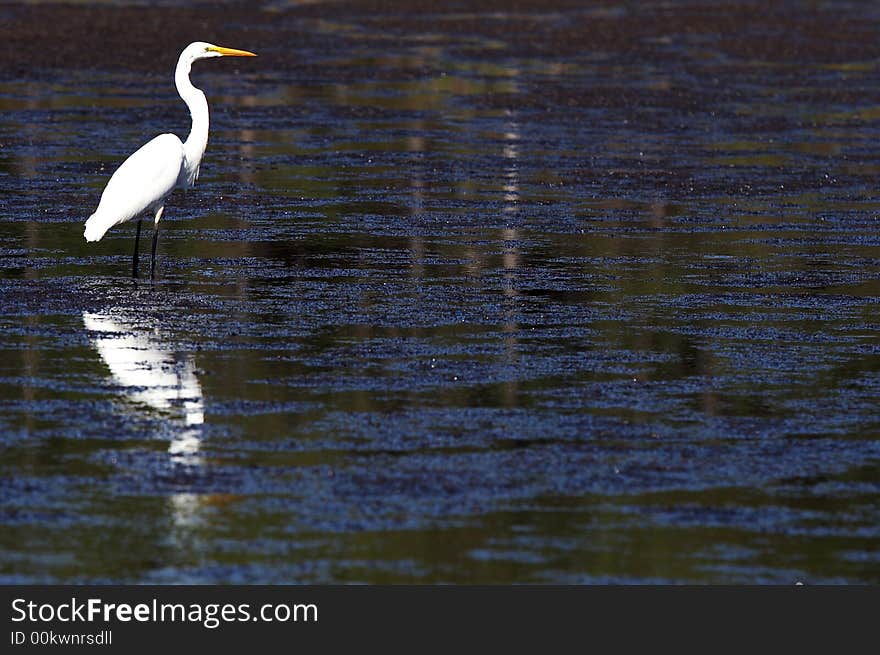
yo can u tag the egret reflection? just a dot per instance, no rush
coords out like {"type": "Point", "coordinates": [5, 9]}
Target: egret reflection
{"type": "Point", "coordinates": [153, 376]}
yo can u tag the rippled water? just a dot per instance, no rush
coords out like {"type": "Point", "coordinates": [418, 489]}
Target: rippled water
{"type": "Point", "coordinates": [569, 294]}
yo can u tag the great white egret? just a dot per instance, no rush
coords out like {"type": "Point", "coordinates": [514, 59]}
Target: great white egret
{"type": "Point", "coordinates": [146, 179]}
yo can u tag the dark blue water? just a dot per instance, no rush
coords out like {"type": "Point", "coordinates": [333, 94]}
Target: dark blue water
{"type": "Point", "coordinates": [565, 294]}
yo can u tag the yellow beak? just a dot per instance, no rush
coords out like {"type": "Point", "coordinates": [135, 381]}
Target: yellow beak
{"type": "Point", "coordinates": [231, 52]}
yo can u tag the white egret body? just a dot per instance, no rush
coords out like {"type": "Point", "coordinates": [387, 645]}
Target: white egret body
{"type": "Point", "coordinates": [146, 179]}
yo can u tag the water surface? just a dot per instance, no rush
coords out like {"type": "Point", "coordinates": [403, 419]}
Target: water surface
{"type": "Point", "coordinates": [562, 294]}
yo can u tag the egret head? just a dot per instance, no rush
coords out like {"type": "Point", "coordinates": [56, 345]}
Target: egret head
{"type": "Point", "coordinates": [202, 50]}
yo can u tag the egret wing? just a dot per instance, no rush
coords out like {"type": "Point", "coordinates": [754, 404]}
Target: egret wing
{"type": "Point", "coordinates": [143, 181]}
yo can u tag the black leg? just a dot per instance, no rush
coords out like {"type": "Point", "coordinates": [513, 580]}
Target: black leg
{"type": "Point", "coordinates": [155, 241]}
{"type": "Point", "coordinates": [134, 258]}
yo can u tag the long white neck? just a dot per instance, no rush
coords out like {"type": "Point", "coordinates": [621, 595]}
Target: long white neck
{"type": "Point", "coordinates": [195, 144]}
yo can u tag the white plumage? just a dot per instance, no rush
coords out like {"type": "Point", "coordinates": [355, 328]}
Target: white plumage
{"type": "Point", "coordinates": [145, 180]}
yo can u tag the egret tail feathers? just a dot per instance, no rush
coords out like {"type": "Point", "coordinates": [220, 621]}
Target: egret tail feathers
{"type": "Point", "coordinates": [96, 226]}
